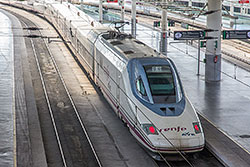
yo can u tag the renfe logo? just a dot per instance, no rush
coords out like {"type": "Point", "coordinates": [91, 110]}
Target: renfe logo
{"type": "Point", "coordinates": [174, 129]}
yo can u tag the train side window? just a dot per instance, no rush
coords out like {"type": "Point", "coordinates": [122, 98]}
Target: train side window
{"type": "Point", "coordinates": [140, 87]}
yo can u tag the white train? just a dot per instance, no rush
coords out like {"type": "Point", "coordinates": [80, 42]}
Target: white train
{"type": "Point", "coordinates": [142, 86]}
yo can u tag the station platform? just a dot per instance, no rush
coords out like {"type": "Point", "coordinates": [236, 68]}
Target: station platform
{"type": "Point", "coordinates": [7, 110]}
{"type": "Point", "coordinates": [20, 135]}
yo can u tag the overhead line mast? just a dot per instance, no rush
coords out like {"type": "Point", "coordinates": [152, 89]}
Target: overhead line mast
{"type": "Point", "coordinates": [100, 11]}
{"type": "Point", "coordinates": [133, 20]}
{"type": "Point", "coordinates": [164, 41]}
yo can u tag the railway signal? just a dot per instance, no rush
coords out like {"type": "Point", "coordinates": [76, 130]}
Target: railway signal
{"type": "Point", "coordinates": [203, 44]}
{"type": "Point", "coordinates": [171, 23]}
{"type": "Point", "coordinates": [185, 25]}
{"type": "Point", "coordinates": [157, 24]}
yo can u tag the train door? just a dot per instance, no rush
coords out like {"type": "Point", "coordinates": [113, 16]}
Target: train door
{"type": "Point", "coordinates": [97, 66]}
{"type": "Point", "coordinates": [93, 62]}
{"type": "Point", "coordinates": [118, 82]}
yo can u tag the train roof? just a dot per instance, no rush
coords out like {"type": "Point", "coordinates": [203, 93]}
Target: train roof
{"type": "Point", "coordinates": [78, 18]}
{"type": "Point", "coordinates": [129, 47]}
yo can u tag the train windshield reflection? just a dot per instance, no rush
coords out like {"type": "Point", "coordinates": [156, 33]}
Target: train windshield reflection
{"type": "Point", "coordinates": [161, 83]}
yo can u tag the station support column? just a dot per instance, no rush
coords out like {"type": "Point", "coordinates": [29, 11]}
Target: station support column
{"type": "Point", "coordinates": [122, 4]}
{"type": "Point", "coordinates": [122, 10]}
{"type": "Point", "coordinates": [100, 11]}
{"type": "Point", "coordinates": [232, 21]}
{"type": "Point", "coordinates": [164, 41]}
{"type": "Point", "coordinates": [189, 3]}
{"type": "Point", "coordinates": [213, 48]}
{"type": "Point", "coordinates": [133, 20]}
{"type": "Point", "coordinates": [82, 5]}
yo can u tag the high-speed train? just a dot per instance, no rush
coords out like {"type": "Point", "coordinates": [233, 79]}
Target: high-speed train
{"type": "Point", "coordinates": [142, 86]}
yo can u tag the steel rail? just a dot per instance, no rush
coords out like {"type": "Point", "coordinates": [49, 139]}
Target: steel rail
{"type": "Point", "coordinates": [73, 104]}
{"type": "Point", "coordinates": [47, 100]}
{"type": "Point", "coordinates": [70, 98]}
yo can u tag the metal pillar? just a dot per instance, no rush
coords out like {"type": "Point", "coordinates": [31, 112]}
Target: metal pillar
{"type": "Point", "coordinates": [133, 20]}
{"type": "Point", "coordinates": [100, 11]}
{"type": "Point", "coordinates": [213, 48]}
{"type": "Point", "coordinates": [122, 4]}
{"type": "Point", "coordinates": [82, 5]}
{"type": "Point", "coordinates": [164, 32]}
{"type": "Point", "coordinates": [190, 3]}
{"type": "Point", "coordinates": [122, 10]}
{"type": "Point", "coordinates": [232, 21]}
{"type": "Point", "coordinates": [199, 57]}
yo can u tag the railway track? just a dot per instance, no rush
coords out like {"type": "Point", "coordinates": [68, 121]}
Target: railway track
{"type": "Point", "coordinates": [69, 145]}
{"type": "Point", "coordinates": [205, 159]}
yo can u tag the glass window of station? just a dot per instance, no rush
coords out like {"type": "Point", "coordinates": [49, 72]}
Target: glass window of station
{"type": "Point", "coordinates": [237, 10]}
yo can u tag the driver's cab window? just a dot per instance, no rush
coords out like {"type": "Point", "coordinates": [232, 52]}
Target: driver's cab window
{"type": "Point", "coordinates": [140, 88]}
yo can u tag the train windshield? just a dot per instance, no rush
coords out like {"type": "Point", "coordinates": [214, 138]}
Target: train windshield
{"type": "Point", "coordinates": [162, 83]}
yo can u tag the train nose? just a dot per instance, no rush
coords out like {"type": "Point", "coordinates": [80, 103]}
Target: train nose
{"type": "Point", "coordinates": [173, 145]}
{"type": "Point", "coordinates": [179, 144]}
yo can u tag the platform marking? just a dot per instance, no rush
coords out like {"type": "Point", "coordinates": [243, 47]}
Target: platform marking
{"type": "Point", "coordinates": [222, 131]}
{"type": "Point", "coordinates": [13, 109]}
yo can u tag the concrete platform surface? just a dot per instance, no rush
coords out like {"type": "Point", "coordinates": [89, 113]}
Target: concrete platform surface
{"type": "Point", "coordinates": [7, 100]}
{"type": "Point", "coordinates": [20, 136]}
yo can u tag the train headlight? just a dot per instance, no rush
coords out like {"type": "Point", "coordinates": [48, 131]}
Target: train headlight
{"type": "Point", "coordinates": [197, 128]}
{"type": "Point", "coordinates": [149, 129]}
